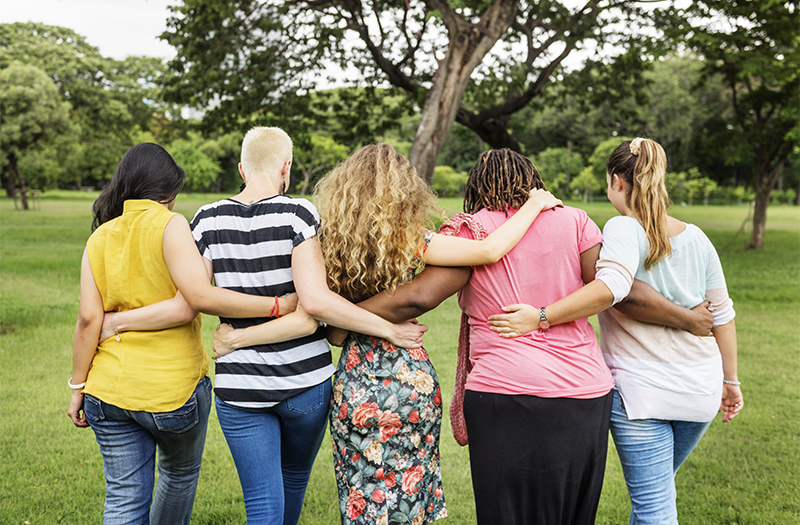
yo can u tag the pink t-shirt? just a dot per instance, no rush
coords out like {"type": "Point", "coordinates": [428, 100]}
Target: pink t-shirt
{"type": "Point", "coordinates": [545, 266]}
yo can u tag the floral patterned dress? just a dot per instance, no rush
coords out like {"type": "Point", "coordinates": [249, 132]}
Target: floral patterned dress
{"type": "Point", "coordinates": [385, 424]}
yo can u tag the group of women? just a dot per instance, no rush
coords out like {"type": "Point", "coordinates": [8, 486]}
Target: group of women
{"type": "Point", "coordinates": [535, 393]}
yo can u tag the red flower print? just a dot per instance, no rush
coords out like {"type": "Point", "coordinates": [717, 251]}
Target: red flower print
{"type": "Point", "coordinates": [355, 503]}
{"type": "Point", "coordinates": [379, 473]}
{"type": "Point", "coordinates": [343, 411]}
{"type": "Point", "coordinates": [389, 422]}
{"type": "Point", "coordinates": [429, 438]}
{"type": "Point", "coordinates": [356, 457]}
{"type": "Point", "coordinates": [421, 453]}
{"type": "Point", "coordinates": [413, 395]}
{"type": "Point", "coordinates": [418, 353]}
{"type": "Point", "coordinates": [390, 480]}
{"type": "Point", "coordinates": [370, 356]}
{"type": "Point", "coordinates": [389, 347]}
{"type": "Point", "coordinates": [363, 413]}
{"type": "Point", "coordinates": [352, 358]}
{"type": "Point", "coordinates": [378, 496]}
{"type": "Point", "coordinates": [437, 492]}
{"type": "Point", "coordinates": [411, 479]}
{"type": "Point", "coordinates": [430, 507]}
{"type": "Point", "coordinates": [437, 399]}
{"type": "Point", "coordinates": [413, 417]}
{"type": "Point", "coordinates": [387, 382]}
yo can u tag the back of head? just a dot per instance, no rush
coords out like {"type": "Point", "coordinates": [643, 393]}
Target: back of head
{"type": "Point", "coordinates": [264, 150]}
{"type": "Point", "coordinates": [642, 164]}
{"type": "Point", "coordinates": [146, 171]}
{"type": "Point", "coordinates": [374, 207]}
{"type": "Point", "coordinates": [501, 179]}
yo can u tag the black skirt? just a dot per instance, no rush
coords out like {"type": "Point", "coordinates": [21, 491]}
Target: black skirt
{"type": "Point", "coordinates": [536, 460]}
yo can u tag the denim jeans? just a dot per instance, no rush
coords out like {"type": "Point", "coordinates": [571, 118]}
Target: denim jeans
{"type": "Point", "coordinates": [274, 449]}
{"type": "Point", "coordinates": [128, 441]}
{"type": "Point", "coordinates": [651, 451]}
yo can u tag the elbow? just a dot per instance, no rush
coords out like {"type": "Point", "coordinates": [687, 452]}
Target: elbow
{"type": "Point", "coordinates": [314, 309]}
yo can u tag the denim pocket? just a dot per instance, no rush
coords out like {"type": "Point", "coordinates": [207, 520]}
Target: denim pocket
{"type": "Point", "coordinates": [180, 420]}
{"type": "Point", "coordinates": [310, 401]}
{"type": "Point", "coordinates": [93, 408]}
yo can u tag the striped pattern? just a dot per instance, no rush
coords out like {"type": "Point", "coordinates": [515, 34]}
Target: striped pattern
{"type": "Point", "coordinates": [250, 248]}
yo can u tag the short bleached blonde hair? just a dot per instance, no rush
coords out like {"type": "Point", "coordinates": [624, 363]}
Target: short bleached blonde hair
{"type": "Point", "coordinates": [264, 150]}
{"type": "Point", "coordinates": [374, 208]}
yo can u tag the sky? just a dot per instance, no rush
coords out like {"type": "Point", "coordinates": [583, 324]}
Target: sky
{"type": "Point", "coordinates": [119, 28]}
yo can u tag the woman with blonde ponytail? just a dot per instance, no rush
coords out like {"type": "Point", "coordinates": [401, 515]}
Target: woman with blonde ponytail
{"type": "Point", "coordinates": [669, 383]}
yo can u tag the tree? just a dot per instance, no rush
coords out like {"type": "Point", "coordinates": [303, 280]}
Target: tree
{"type": "Point", "coordinates": [753, 47]}
{"type": "Point", "coordinates": [238, 58]}
{"type": "Point", "coordinates": [109, 98]}
{"type": "Point", "coordinates": [31, 113]}
{"type": "Point", "coordinates": [586, 183]}
{"type": "Point", "coordinates": [559, 166]}
{"type": "Point", "coordinates": [322, 155]}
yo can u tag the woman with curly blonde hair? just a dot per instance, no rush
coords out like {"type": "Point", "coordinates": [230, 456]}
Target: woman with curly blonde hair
{"type": "Point", "coordinates": [387, 405]}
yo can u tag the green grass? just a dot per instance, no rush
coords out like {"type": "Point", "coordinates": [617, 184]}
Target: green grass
{"type": "Point", "coordinates": [743, 472]}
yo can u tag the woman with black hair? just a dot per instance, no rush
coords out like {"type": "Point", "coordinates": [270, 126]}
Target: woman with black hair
{"type": "Point", "coordinates": [146, 390]}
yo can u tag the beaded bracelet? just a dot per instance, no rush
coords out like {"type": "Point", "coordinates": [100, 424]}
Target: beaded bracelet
{"type": "Point", "coordinates": [734, 383]}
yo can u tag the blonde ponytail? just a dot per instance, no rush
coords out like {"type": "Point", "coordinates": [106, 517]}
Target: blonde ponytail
{"type": "Point", "coordinates": [642, 163]}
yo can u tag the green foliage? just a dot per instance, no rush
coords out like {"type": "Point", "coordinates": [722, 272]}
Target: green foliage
{"type": "Point", "coordinates": [319, 155]}
{"type": "Point", "coordinates": [558, 166]}
{"type": "Point", "coordinates": [108, 97]}
{"type": "Point", "coordinates": [201, 170]}
{"type": "Point", "coordinates": [31, 114]}
{"type": "Point", "coordinates": [448, 182]}
{"type": "Point", "coordinates": [586, 183]}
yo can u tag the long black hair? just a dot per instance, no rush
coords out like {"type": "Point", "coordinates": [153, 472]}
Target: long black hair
{"type": "Point", "coordinates": [502, 179]}
{"type": "Point", "coordinates": [146, 171]}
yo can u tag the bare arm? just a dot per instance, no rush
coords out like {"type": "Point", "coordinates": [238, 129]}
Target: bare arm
{"type": "Point", "coordinates": [84, 343]}
{"type": "Point", "coordinates": [308, 268]}
{"type": "Point", "coordinates": [732, 399]}
{"type": "Point", "coordinates": [645, 304]}
{"type": "Point", "coordinates": [445, 250]}
{"type": "Point", "coordinates": [189, 272]}
{"type": "Point", "coordinates": [291, 326]}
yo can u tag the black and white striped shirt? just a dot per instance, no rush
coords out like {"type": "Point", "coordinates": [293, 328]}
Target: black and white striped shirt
{"type": "Point", "coordinates": [250, 248]}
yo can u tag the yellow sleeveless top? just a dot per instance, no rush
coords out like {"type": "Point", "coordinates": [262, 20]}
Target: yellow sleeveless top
{"type": "Point", "coordinates": [153, 371]}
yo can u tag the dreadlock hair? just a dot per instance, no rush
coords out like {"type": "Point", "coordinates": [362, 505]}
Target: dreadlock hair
{"type": "Point", "coordinates": [642, 164]}
{"type": "Point", "coordinates": [502, 179]}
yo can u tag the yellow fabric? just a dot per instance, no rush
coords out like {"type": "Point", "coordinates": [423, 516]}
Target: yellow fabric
{"type": "Point", "coordinates": [154, 371]}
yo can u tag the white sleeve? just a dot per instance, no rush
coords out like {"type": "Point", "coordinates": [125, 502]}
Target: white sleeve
{"type": "Point", "coordinates": [616, 282]}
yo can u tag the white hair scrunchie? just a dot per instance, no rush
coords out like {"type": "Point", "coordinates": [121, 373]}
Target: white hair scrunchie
{"type": "Point", "coordinates": [636, 145]}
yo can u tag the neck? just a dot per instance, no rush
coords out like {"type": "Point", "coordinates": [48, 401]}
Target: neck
{"type": "Point", "coordinates": [257, 189]}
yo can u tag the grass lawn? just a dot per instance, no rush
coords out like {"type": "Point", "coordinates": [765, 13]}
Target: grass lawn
{"type": "Point", "coordinates": [743, 472]}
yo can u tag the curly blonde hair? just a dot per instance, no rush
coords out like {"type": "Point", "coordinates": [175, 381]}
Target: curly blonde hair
{"type": "Point", "coordinates": [374, 208]}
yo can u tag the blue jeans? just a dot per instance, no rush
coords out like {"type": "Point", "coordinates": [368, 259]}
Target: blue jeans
{"type": "Point", "coordinates": [274, 449]}
{"type": "Point", "coordinates": [651, 451]}
{"type": "Point", "coordinates": [128, 440]}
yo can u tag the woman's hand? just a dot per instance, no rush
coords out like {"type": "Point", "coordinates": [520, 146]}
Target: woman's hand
{"type": "Point", "coordinates": [545, 199]}
{"type": "Point", "coordinates": [519, 319]}
{"type": "Point", "coordinates": [702, 320]}
{"type": "Point", "coordinates": [109, 328]}
{"type": "Point", "coordinates": [223, 341]}
{"type": "Point", "coordinates": [288, 303]}
{"type": "Point", "coordinates": [732, 402]}
{"type": "Point", "coordinates": [407, 334]}
{"type": "Point", "coordinates": [75, 410]}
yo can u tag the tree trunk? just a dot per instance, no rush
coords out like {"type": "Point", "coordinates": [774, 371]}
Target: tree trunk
{"type": "Point", "coordinates": [23, 197]}
{"type": "Point", "coordinates": [765, 181]}
{"type": "Point", "coordinates": [468, 45]}
{"type": "Point", "coordinates": [10, 186]}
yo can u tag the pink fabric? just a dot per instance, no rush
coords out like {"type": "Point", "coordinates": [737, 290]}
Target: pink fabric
{"type": "Point", "coordinates": [463, 366]}
{"type": "Point", "coordinates": [544, 267]}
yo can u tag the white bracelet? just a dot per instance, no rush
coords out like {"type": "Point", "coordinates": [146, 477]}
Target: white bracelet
{"type": "Point", "coordinates": [75, 387]}
{"type": "Point", "coordinates": [734, 383]}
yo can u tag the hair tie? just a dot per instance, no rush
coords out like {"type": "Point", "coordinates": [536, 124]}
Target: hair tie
{"type": "Point", "coordinates": [636, 146]}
